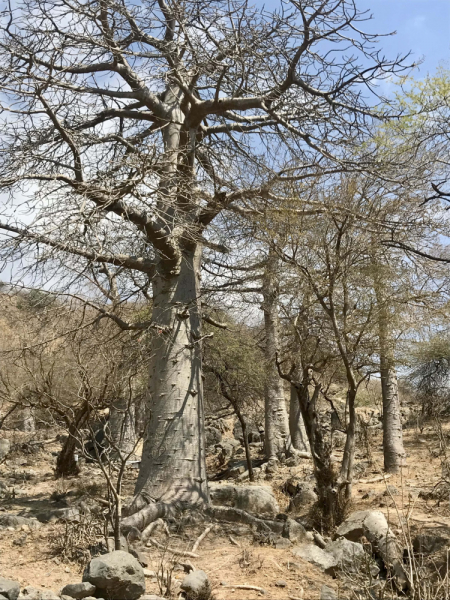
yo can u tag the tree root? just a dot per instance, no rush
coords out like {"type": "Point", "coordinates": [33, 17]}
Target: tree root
{"type": "Point", "coordinates": [145, 516]}
{"type": "Point", "coordinates": [236, 515]}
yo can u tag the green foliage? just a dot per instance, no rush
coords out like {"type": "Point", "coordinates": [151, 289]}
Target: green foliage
{"type": "Point", "coordinates": [236, 355]}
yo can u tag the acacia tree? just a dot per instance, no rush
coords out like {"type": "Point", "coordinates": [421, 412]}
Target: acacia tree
{"type": "Point", "coordinates": [129, 128]}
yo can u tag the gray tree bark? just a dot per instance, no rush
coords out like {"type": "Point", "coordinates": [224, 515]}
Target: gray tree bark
{"type": "Point", "coordinates": [277, 437]}
{"type": "Point", "coordinates": [173, 467]}
{"type": "Point", "coordinates": [393, 449]}
{"type": "Point", "coordinates": [296, 424]}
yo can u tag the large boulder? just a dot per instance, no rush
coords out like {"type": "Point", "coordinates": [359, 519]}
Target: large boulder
{"type": "Point", "coordinates": [196, 585]}
{"type": "Point", "coordinates": [117, 576]}
{"type": "Point", "coordinates": [372, 525]}
{"type": "Point", "coordinates": [5, 447]}
{"type": "Point", "coordinates": [9, 589]}
{"type": "Point", "coordinates": [257, 499]}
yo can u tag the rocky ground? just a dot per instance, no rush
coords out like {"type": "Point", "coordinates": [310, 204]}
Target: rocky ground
{"type": "Point", "coordinates": [50, 529]}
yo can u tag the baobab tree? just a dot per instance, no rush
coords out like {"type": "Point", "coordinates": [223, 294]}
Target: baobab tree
{"type": "Point", "coordinates": [129, 128]}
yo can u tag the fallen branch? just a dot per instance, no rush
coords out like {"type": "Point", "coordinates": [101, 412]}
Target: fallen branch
{"type": "Point", "coordinates": [201, 538]}
{"type": "Point", "coordinates": [172, 550]}
{"type": "Point", "coordinates": [375, 479]}
{"type": "Point", "coordinates": [234, 542]}
{"type": "Point", "coordinates": [254, 588]}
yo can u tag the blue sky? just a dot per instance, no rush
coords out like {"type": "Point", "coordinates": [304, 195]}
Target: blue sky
{"type": "Point", "coordinates": [423, 26]}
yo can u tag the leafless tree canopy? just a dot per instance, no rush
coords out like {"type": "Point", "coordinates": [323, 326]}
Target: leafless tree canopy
{"type": "Point", "coordinates": [129, 127]}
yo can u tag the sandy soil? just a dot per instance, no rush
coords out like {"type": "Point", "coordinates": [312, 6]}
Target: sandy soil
{"type": "Point", "coordinates": [32, 557]}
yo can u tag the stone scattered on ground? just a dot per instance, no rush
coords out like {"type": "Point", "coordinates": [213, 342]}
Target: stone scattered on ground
{"type": "Point", "coordinates": [78, 590]}
{"type": "Point", "coordinates": [196, 585]}
{"type": "Point", "coordinates": [327, 593]}
{"type": "Point", "coordinates": [9, 588]}
{"type": "Point", "coordinates": [317, 557]}
{"type": "Point", "coordinates": [117, 575]}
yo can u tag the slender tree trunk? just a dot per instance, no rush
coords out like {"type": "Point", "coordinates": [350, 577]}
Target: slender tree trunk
{"type": "Point", "coordinates": [121, 426]}
{"type": "Point", "coordinates": [328, 492]}
{"type": "Point", "coordinates": [277, 438]}
{"type": "Point", "coordinates": [393, 450]}
{"type": "Point", "coordinates": [296, 424]}
{"type": "Point", "coordinates": [349, 448]}
{"type": "Point", "coordinates": [248, 456]}
{"type": "Point", "coordinates": [173, 467]}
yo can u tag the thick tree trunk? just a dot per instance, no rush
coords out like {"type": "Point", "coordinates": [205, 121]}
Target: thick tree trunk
{"type": "Point", "coordinates": [393, 449]}
{"type": "Point", "coordinates": [296, 424]}
{"type": "Point", "coordinates": [277, 438]}
{"type": "Point", "coordinates": [173, 467]}
{"type": "Point", "coordinates": [121, 426]}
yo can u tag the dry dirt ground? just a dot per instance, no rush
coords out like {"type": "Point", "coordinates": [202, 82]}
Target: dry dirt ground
{"type": "Point", "coordinates": [36, 557]}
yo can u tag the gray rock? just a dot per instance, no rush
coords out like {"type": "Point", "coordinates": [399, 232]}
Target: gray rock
{"type": "Point", "coordinates": [327, 593]}
{"type": "Point", "coordinates": [373, 525]}
{"type": "Point", "coordinates": [31, 593]}
{"type": "Point", "coordinates": [226, 450]}
{"type": "Point", "coordinates": [197, 586]}
{"type": "Point", "coordinates": [280, 583]}
{"type": "Point", "coordinates": [78, 590]}
{"type": "Point", "coordinates": [55, 514]}
{"type": "Point", "coordinates": [213, 436]}
{"type": "Point", "coordinates": [5, 447]}
{"type": "Point", "coordinates": [369, 523]}
{"type": "Point", "coordinates": [49, 595]}
{"type": "Point", "coordinates": [317, 557]}
{"type": "Point", "coordinates": [350, 556]}
{"type": "Point", "coordinates": [8, 520]}
{"type": "Point", "coordinates": [295, 532]}
{"type": "Point", "coordinates": [117, 575]}
{"type": "Point", "coordinates": [257, 499]}
{"type": "Point", "coordinates": [9, 588]}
